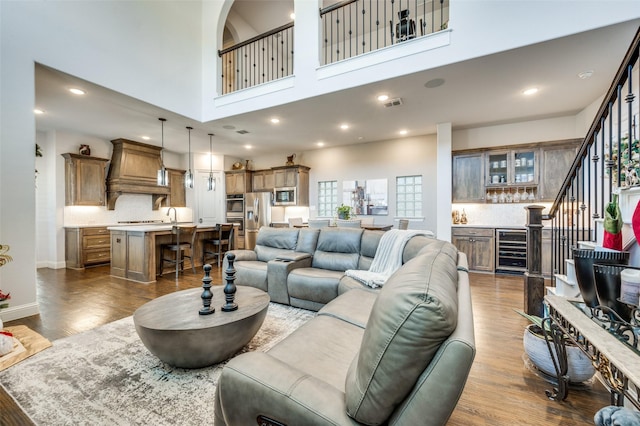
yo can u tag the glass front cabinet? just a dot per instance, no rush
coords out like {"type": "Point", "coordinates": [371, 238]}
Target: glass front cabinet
{"type": "Point", "coordinates": [514, 167]}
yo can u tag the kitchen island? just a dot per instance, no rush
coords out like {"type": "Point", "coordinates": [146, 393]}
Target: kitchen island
{"type": "Point", "coordinates": [135, 249]}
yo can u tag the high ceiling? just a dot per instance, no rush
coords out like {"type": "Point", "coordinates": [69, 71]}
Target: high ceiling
{"type": "Point", "coordinates": [478, 92]}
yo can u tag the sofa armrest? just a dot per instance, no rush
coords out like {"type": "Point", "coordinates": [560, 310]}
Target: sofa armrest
{"type": "Point", "coordinates": [293, 256]}
{"type": "Point", "coordinates": [243, 255]}
{"type": "Point", "coordinates": [277, 273]}
{"type": "Point", "coordinates": [256, 384]}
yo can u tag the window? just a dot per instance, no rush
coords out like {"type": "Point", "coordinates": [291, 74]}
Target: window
{"type": "Point", "coordinates": [327, 198]}
{"type": "Point", "coordinates": [409, 196]}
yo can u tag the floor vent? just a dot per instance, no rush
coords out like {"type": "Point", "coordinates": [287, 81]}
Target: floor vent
{"type": "Point", "coordinates": [242, 132]}
{"type": "Point", "coordinates": [393, 102]}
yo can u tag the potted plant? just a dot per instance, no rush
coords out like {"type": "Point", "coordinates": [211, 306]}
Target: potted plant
{"type": "Point", "coordinates": [345, 212]}
{"type": "Point", "coordinates": [580, 367]}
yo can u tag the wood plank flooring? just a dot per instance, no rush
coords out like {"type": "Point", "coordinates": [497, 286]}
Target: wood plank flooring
{"type": "Point", "coordinates": [500, 389]}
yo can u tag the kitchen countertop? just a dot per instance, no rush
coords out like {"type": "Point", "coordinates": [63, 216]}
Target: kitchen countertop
{"type": "Point", "coordinates": [153, 227]}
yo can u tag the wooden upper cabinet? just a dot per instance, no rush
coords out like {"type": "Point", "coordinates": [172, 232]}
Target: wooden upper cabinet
{"type": "Point", "coordinates": [263, 181]}
{"type": "Point", "coordinates": [238, 182]}
{"type": "Point", "coordinates": [84, 180]}
{"type": "Point", "coordinates": [177, 192]}
{"type": "Point", "coordinates": [293, 177]}
{"type": "Point", "coordinates": [468, 178]}
{"type": "Point", "coordinates": [556, 162]}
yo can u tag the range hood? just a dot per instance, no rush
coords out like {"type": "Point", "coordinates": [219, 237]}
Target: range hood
{"type": "Point", "coordinates": [133, 170]}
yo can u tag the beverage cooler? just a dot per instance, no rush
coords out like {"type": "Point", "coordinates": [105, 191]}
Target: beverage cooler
{"type": "Point", "coordinates": [511, 251]}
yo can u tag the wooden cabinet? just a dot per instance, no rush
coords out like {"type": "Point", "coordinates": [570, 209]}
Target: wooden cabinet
{"type": "Point", "coordinates": [177, 193]}
{"type": "Point", "coordinates": [118, 254]}
{"type": "Point", "coordinates": [262, 181]}
{"type": "Point", "coordinates": [479, 246]}
{"type": "Point", "coordinates": [468, 178]}
{"type": "Point", "coordinates": [293, 176]}
{"type": "Point", "coordinates": [512, 167]}
{"type": "Point", "coordinates": [86, 246]}
{"type": "Point", "coordinates": [84, 180]}
{"type": "Point", "coordinates": [556, 161]}
{"type": "Point", "coordinates": [132, 256]}
{"type": "Point", "coordinates": [238, 181]}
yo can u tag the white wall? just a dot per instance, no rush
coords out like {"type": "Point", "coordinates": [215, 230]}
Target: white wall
{"type": "Point", "coordinates": [378, 160]}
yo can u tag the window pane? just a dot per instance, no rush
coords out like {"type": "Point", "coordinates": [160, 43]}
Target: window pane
{"type": "Point", "coordinates": [408, 189]}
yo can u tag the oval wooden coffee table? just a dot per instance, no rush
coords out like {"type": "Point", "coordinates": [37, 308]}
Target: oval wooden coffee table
{"type": "Point", "coordinates": [173, 330]}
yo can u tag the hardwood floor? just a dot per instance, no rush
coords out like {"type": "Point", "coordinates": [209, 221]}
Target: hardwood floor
{"type": "Point", "coordinates": [500, 389]}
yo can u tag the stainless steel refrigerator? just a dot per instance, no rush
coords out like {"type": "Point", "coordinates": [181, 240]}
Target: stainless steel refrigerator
{"type": "Point", "coordinates": [257, 213]}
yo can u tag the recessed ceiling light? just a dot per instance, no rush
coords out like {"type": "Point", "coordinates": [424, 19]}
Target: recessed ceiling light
{"type": "Point", "coordinates": [585, 74]}
{"type": "Point", "coordinates": [531, 91]}
{"type": "Point", "coordinates": [344, 126]}
{"type": "Point", "coordinates": [77, 91]}
{"type": "Point", "coordinates": [275, 120]}
{"type": "Point", "coordinates": [292, 15]}
{"type": "Point", "coordinates": [321, 144]}
{"type": "Point", "coordinates": [403, 132]}
{"type": "Point", "coordinates": [146, 138]}
{"type": "Point", "coordinates": [248, 146]}
{"type": "Point", "coordinates": [436, 82]}
{"type": "Point", "coordinates": [38, 111]}
{"type": "Point", "coordinates": [383, 98]}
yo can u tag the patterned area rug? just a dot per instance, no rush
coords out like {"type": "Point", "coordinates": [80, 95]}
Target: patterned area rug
{"type": "Point", "coordinates": [106, 376]}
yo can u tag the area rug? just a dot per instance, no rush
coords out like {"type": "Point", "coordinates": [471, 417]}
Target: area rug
{"type": "Point", "coordinates": [106, 376]}
{"type": "Point", "coordinates": [26, 343]}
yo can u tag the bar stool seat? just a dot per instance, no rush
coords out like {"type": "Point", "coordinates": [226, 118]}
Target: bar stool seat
{"type": "Point", "coordinates": [219, 244]}
{"type": "Point", "coordinates": [182, 245]}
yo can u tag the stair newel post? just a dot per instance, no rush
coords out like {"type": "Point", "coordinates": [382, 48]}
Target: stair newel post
{"type": "Point", "coordinates": [230, 287]}
{"type": "Point", "coordinates": [533, 279]}
{"type": "Point", "coordinates": [207, 295]}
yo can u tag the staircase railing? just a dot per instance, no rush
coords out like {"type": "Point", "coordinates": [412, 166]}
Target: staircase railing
{"type": "Point", "coordinates": [261, 59]}
{"type": "Point", "coordinates": [353, 27]}
{"type": "Point", "coordinates": [607, 161]}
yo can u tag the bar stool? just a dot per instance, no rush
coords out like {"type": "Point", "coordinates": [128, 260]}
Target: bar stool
{"type": "Point", "coordinates": [403, 224]}
{"type": "Point", "coordinates": [221, 242]}
{"type": "Point", "coordinates": [183, 240]}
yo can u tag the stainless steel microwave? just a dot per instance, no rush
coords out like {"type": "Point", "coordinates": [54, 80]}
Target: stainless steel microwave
{"type": "Point", "coordinates": [284, 196]}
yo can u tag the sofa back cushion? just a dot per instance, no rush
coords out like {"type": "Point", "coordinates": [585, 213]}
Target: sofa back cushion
{"type": "Point", "coordinates": [307, 240]}
{"type": "Point", "coordinates": [368, 247]}
{"type": "Point", "coordinates": [272, 242]}
{"type": "Point", "coordinates": [337, 249]}
{"type": "Point", "coordinates": [415, 312]}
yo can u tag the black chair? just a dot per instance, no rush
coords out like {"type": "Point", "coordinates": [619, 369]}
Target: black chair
{"type": "Point", "coordinates": [219, 244]}
{"type": "Point", "coordinates": [182, 247]}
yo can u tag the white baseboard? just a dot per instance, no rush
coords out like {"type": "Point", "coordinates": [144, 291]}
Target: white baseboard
{"type": "Point", "coordinates": [16, 312]}
{"type": "Point", "coordinates": [51, 264]}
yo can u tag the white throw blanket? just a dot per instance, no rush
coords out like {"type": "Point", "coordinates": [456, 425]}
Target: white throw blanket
{"type": "Point", "coordinates": [388, 257]}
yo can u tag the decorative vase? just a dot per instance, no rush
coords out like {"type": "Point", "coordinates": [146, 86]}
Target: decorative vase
{"type": "Point", "coordinates": [608, 285]}
{"type": "Point", "coordinates": [580, 368]}
{"type": "Point", "coordinates": [584, 260]}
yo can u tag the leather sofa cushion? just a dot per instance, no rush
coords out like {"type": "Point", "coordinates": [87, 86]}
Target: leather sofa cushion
{"type": "Point", "coordinates": [307, 240]}
{"type": "Point", "coordinates": [414, 313]}
{"type": "Point", "coordinates": [368, 247]}
{"type": "Point", "coordinates": [317, 285]}
{"type": "Point", "coordinates": [337, 249]}
{"type": "Point", "coordinates": [252, 273]}
{"type": "Point", "coordinates": [273, 241]}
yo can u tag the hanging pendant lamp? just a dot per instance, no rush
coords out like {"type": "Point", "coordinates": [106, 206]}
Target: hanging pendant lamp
{"type": "Point", "coordinates": [188, 176]}
{"type": "Point", "coordinates": [163, 174]}
{"type": "Point", "coordinates": [211, 182]}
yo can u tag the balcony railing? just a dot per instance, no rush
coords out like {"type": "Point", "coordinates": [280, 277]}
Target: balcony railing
{"type": "Point", "coordinates": [261, 59]}
{"type": "Point", "coordinates": [353, 27]}
{"type": "Point", "coordinates": [608, 160]}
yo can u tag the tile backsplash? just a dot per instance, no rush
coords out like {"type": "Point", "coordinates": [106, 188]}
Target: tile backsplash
{"type": "Point", "coordinates": [497, 215]}
{"type": "Point", "coordinates": [129, 207]}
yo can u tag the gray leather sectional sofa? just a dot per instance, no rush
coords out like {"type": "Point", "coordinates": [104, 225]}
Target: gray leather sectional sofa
{"type": "Point", "coordinates": [397, 356]}
{"type": "Point", "coordinates": [305, 267]}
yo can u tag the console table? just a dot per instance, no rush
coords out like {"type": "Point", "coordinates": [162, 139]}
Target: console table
{"type": "Point", "coordinates": [616, 361]}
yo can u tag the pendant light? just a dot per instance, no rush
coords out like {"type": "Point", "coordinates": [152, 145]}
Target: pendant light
{"type": "Point", "coordinates": [211, 182]}
{"type": "Point", "coordinates": [163, 174]}
{"type": "Point", "coordinates": [188, 176]}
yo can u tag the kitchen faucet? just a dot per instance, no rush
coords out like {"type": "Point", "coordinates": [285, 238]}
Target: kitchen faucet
{"type": "Point", "coordinates": [175, 214]}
